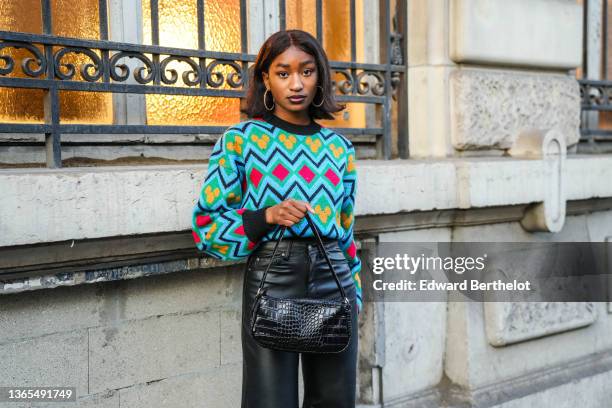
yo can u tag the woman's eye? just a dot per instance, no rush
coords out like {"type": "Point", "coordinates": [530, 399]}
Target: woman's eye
{"type": "Point", "coordinates": [307, 72]}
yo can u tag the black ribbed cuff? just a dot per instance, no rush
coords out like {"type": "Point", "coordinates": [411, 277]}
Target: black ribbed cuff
{"type": "Point", "coordinates": [255, 225]}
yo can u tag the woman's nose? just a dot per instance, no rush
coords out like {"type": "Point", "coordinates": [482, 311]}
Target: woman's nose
{"type": "Point", "coordinates": [296, 83]}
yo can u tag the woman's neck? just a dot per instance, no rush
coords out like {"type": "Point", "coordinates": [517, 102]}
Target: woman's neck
{"type": "Point", "coordinates": [309, 129]}
{"type": "Point", "coordinates": [297, 118]}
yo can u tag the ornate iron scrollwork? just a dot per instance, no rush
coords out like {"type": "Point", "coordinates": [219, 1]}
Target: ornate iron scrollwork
{"type": "Point", "coordinates": [84, 68]}
{"type": "Point", "coordinates": [595, 94]}
{"type": "Point", "coordinates": [346, 85]}
{"type": "Point", "coordinates": [358, 85]}
{"type": "Point", "coordinates": [125, 70]}
{"type": "Point", "coordinates": [397, 57]}
{"type": "Point", "coordinates": [354, 81]}
{"type": "Point", "coordinates": [190, 77]}
{"type": "Point", "coordinates": [363, 86]}
{"type": "Point", "coordinates": [26, 63]}
{"type": "Point", "coordinates": [220, 79]}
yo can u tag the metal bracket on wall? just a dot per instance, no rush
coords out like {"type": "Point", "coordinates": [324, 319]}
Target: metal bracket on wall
{"type": "Point", "coordinates": [547, 145]}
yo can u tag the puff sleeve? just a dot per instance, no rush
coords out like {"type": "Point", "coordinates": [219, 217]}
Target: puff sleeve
{"type": "Point", "coordinates": [218, 226]}
{"type": "Point", "coordinates": [347, 219]}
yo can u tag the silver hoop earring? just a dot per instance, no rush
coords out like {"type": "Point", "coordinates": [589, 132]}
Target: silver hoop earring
{"type": "Point", "coordinates": [323, 100]}
{"type": "Point", "coordinates": [265, 94]}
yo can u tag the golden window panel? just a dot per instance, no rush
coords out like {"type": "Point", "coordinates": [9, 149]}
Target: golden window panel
{"type": "Point", "coordinates": [26, 105]}
{"type": "Point", "coordinates": [178, 27]}
{"type": "Point", "coordinates": [336, 42]}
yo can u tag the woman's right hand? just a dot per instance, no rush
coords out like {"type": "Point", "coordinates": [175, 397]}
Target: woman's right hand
{"type": "Point", "coordinates": [288, 212]}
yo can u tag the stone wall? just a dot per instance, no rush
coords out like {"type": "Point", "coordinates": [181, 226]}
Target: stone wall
{"type": "Point", "coordinates": [149, 342]}
{"type": "Point", "coordinates": [482, 72]}
{"type": "Point", "coordinates": [153, 341]}
{"type": "Point", "coordinates": [495, 354]}
{"type": "Point", "coordinates": [493, 118]}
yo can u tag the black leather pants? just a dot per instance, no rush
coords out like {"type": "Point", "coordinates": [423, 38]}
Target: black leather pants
{"type": "Point", "coordinates": [270, 377]}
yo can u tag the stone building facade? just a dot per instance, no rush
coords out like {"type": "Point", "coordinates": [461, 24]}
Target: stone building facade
{"type": "Point", "coordinates": [494, 129]}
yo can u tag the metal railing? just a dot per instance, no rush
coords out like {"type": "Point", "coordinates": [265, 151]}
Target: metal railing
{"type": "Point", "coordinates": [595, 94]}
{"type": "Point", "coordinates": [106, 71]}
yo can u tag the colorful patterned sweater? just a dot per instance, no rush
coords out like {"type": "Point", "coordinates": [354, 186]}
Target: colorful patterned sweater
{"type": "Point", "coordinates": [260, 162]}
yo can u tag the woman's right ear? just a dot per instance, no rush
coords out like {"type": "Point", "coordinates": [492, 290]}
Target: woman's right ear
{"type": "Point", "coordinates": [264, 76]}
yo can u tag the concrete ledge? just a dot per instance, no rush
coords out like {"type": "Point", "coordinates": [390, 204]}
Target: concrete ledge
{"type": "Point", "coordinates": [45, 275]}
{"type": "Point", "coordinates": [43, 205]}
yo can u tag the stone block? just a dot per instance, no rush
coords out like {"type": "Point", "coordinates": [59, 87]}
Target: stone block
{"type": "Point", "coordinates": [428, 33]}
{"type": "Point", "coordinates": [231, 343]}
{"type": "Point", "coordinates": [517, 32]}
{"type": "Point", "coordinates": [490, 108]}
{"type": "Point", "coordinates": [429, 114]}
{"type": "Point", "coordinates": [587, 392]}
{"type": "Point", "coordinates": [217, 388]}
{"type": "Point", "coordinates": [512, 322]}
{"type": "Point", "coordinates": [57, 360]}
{"type": "Point", "coordinates": [47, 312]}
{"type": "Point", "coordinates": [152, 349]}
{"type": "Point", "coordinates": [417, 185]}
{"type": "Point", "coordinates": [415, 334]}
{"type": "Point", "coordinates": [472, 362]}
{"type": "Point", "coordinates": [184, 292]}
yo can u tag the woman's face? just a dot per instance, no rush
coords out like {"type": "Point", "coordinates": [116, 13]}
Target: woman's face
{"type": "Point", "coordinates": [292, 74]}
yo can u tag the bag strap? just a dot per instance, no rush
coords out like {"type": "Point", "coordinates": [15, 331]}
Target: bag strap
{"type": "Point", "coordinates": [321, 247]}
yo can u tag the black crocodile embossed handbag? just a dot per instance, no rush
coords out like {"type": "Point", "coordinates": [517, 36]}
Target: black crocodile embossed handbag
{"type": "Point", "coordinates": [303, 325]}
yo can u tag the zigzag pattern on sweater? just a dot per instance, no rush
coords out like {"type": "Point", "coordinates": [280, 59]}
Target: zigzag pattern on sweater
{"type": "Point", "coordinates": [255, 164]}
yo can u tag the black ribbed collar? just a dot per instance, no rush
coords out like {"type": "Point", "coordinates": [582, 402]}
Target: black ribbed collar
{"type": "Point", "coordinates": [309, 129]}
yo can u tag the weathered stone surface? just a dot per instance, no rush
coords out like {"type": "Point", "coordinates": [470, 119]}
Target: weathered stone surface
{"type": "Point", "coordinates": [152, 349]}
{"type": "Point", "coordinates": [512, 322]}
{"type": "Point", "coordinates": [28, 316]}
{"type": "Point", "coordinates": [428, 32]}
{"type": "Point", "coordinates": [136, 196]}
{"type": "Point", "coordinates": [414, 346]}
{"type": "Point", "coordinates": [490, 108]}
{"type": "Point", "coordinates": [429, 114]}
{"type": "Point", "coordinates": [414, 332]}
{"type": "Point", "coordinates": [220, 387]}
{"type": "Point", "coordinates": [68, 202]}
{"type": "Point", "coordinates": [582, 382]}
{"type": "Point", "coordinates": [182, 292]}
{"type": "Point", "coordinates": [231, 342]}
{"type": "Point", "coordinates": [587, 392]}
{"type": "Point", "coordinates": [108, 399]}
{"type": "Point", "coordinates": [472, 361]}
{"type": "Point", "coordinates": [517, 32]}
{"type": "Point", "coordinates": [55, 360]}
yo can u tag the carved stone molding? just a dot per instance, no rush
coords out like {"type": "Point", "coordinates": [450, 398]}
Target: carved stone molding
{"type": "Point", "coordinates": [512, 322]}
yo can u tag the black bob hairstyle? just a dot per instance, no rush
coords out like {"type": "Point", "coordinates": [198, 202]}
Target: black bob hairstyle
{"type": "Point", "coordinates": [275, 45]}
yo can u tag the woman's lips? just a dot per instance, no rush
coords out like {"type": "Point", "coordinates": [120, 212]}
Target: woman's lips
{"type": "Point", "coordinates": [297, 99]}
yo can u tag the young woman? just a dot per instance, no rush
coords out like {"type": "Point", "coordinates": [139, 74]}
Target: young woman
{"type": "Point", "coordinates": [267, 172]}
